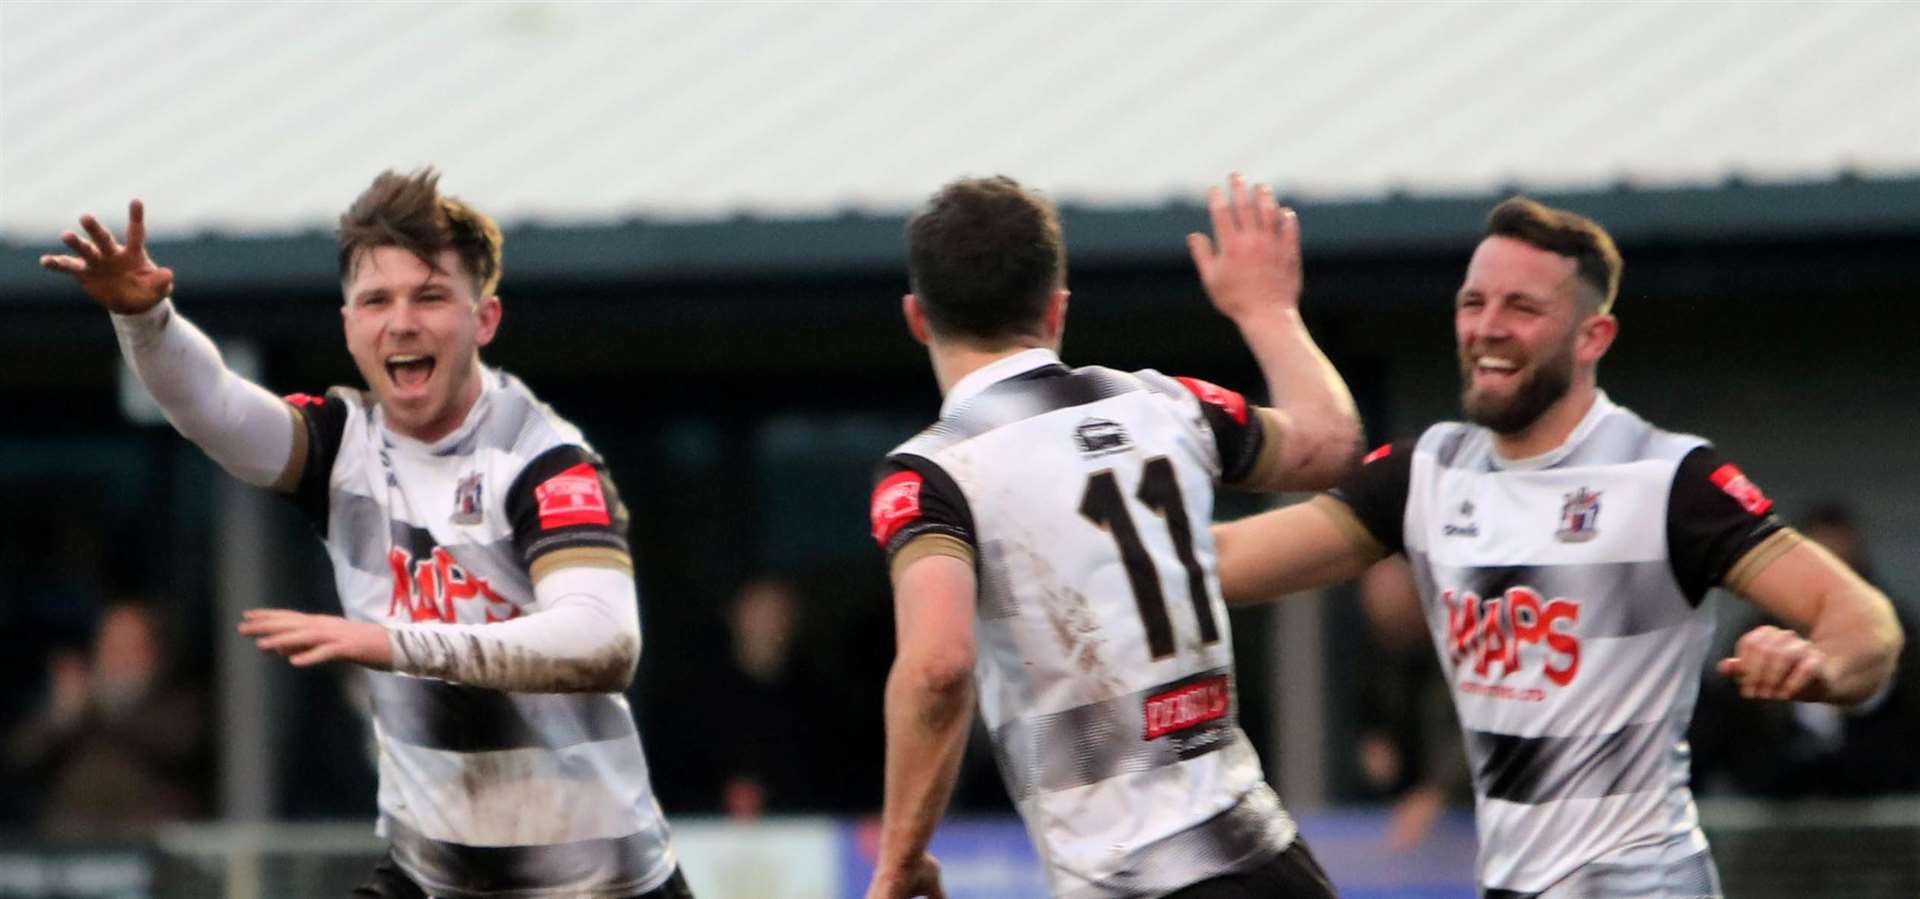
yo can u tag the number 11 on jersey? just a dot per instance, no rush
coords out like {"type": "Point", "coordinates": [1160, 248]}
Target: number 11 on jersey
{"type": "Point", "coordinates": [1159, 490]}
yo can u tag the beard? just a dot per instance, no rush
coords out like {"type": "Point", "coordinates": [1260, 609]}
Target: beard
{"type": "Point", "coordinates": [1549, 382]}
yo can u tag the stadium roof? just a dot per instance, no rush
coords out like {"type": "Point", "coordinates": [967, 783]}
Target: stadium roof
{"type": "Point", "coordinates": [267, 118]}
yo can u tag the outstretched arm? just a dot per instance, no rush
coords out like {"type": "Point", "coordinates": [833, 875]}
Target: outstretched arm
{"type": "Point", "coordinates": [1299, 547]}
{"type": "Point", "coordinates": [1251, 270]}
{"type": "Point", "coordinates": [584, 639]}
{"type": "Point", "coordinates": [250, 432]}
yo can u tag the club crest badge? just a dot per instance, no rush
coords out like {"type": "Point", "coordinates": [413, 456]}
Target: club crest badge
{"type": "Point", "coordinates": [1580, 517]}
{"type": "Point", "coordinates": [466, 500]}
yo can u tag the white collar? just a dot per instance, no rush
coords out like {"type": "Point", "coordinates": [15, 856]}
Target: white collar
{"type": "Point", "coordinates": [1602, 407]}
{"type": "Point", "coordinates": [994, 372]}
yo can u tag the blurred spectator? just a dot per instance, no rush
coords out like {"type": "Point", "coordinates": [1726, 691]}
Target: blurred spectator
{"type": "Point", "coordinates": [1798, 749]}
{"type": "Point", "coordinates": [769, 709]}
{"type": "Point", "coordinates": [1409, 746]}
{"type": "Point", "coordinates": [119, 747]}
{"type": "Point", "coordinates": [50, 572]}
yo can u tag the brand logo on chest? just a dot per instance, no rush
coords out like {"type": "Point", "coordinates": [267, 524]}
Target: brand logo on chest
{"type": "Point", "coordinates": [1464, 526]}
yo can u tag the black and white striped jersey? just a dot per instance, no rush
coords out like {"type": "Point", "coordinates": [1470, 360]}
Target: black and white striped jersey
{"type": "Point", "coordinates": [1105, 665]}
{"type": "Point", "coordinates": [484, 793]}
{"type": "Point", "coordinates": [1563, 594]}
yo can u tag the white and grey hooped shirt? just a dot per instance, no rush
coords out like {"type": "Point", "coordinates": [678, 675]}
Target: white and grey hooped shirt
{"type": "Point", "coordinates": [1563, 594]}
{"type": "Point", "coordinates": [484, 793]}
{"type": "Point", "coordinates": [1105, 664]}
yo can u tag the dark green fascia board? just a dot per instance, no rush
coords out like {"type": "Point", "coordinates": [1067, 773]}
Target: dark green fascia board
{"type": "Point", "coordinates": [747, 247]}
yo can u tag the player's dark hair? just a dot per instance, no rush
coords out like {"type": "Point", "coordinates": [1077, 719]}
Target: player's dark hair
{"type": "Point", "coordinates": [1567, 234]}
{"type": "Point", "coordinates": [984, 255]}
{"type": "Point", "coordinates": [407, 211]}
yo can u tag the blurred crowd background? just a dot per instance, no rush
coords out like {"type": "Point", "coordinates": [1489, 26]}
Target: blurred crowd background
{"type": "Point", "coordinates": [704, 206]}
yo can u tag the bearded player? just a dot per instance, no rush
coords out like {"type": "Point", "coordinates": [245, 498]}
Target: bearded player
{"type": "Point", "coordinates": [1562, 546]}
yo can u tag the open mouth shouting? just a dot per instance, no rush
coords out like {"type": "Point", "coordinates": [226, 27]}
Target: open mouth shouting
{"type": "Point", "coordinates": [409, 373]}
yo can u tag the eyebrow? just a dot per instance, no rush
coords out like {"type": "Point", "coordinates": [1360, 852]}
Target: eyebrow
{"type": "Point", "coordinates": [1509, 296]}
{"type": "Point", "coordinates": [436, 281]}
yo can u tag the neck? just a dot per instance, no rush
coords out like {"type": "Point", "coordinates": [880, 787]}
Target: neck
{"type": "Point", "coordinates": [954, 361]}
{"type": "Point", "coordinates": [1553, 426]}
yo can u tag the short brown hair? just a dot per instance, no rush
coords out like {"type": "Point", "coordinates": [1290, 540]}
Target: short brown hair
{"type": "Point", "coordinates": [1568, 234]}
{"type": "Point", "coordinates": [983, 256]}
{"type": "Point", "coordinates": [407, 211]}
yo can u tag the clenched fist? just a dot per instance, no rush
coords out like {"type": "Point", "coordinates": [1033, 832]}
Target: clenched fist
{"type": "Point", "coordinates": [1776, 663]}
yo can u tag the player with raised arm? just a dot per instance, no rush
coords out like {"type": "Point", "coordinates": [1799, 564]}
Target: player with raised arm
{"type": "Point", "coordinates": [477, 543]}
{"type": "Point", "coordinates": [1562, 546]}
{"type": "Point", "coordinates": [1048, 542]}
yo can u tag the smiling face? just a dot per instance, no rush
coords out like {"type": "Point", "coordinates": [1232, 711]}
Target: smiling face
{"type": "Point", "coordinates": [1518, 325]}
{"type": "Point", "coordinates": [415, 332]}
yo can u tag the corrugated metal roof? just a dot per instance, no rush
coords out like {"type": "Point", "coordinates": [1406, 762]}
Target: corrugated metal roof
{"type": "Point", "coordinates": [272, 116]}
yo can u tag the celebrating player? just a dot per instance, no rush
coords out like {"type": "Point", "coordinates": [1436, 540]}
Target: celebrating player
{"type": "Point", "coordinates": [477, 543]}
{"type": "Point", "coordinates": [1049, 536]}
{"type": "Point", "coordinates": [1562, 547]}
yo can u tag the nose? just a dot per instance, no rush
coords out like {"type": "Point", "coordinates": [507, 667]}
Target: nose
{"type": "Point", "coordinates": [402, 319]}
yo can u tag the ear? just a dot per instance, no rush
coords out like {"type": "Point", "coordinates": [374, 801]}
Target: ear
{"type": "Point", "coordinates": [916, 319]}
{"type": "Point", "coordinates": [1053, 322]}
{"type": "Point", "coordinates": [1596, 336]}
{"type": "Point", "coordinates": [489, 312]}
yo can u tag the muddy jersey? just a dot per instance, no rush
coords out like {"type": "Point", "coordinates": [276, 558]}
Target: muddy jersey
{"type": "Point", "coordinates": [484, 793]}
{"type": "Point", "coordinates": [1563, 594]}
{"type": "Point", "coordinates": [1105, 665]}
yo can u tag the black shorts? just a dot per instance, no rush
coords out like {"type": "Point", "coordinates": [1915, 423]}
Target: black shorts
{"type": "Point", "coordinates": [389, 882]}
{"type": "Point", "coordinates": [1293, 874]}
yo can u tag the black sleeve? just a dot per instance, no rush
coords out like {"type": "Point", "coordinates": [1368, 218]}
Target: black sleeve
{"type": "Point", "coordinates": [1715, 516]}
{"type": "Point", "coordinates": [325, 419]}
{"type": "Point", "coordinates": [564, 499]}
{"type": "Point", "coordinates": [912, 497]}
{"type": "Point", "coordinates": [1237, 432]}
{"type": "Point", "coordinates": [1377, 493]}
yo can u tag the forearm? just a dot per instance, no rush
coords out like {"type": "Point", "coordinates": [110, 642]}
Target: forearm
{"type": "Point", "coordinates": [1241, 578]}
{"type": "Point", "coordinates": [584, 639]}
{"type": "Point", "coordinates": [1283, 551]}
{"type": "Point", "coordinates": [1321, 444]}
{"type": "Point", "coordinates": [1857, 632]}
{"type": "Point", "coordinates": [927, 723]}
{"type": "Point", "coordinates": [242, 427]}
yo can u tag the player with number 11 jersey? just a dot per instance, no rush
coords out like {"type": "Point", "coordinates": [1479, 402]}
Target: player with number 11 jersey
{"type": "Point", "coordinates": [1080, 499]}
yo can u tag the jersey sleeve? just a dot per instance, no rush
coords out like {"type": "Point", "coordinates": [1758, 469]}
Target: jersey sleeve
{"type": "Point", "coordinates": [321, 425]}
{"type": "Point", "coordinates": [1238, 430]}
{"type": "Point", "coordinates": [1377, 494]}
{"type": "Point", "coordinates": [917, 510]}
{"type": "Point", "coordinates": [1716, 518]}
{"type": "Point", "coordinates": [565, 511]}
